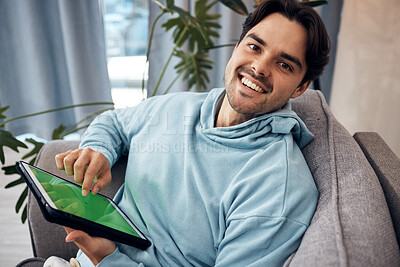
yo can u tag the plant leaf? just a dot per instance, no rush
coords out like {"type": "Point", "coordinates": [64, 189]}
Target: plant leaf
{"type": "Point", "coordinates": [236, 5]}
{"type": "Point", "coordinates": [24, 214]}
{"type": "Point", "coordinates": [193, 66]}
{"type": "Point", "coordinates": [198, 29]}
{"type": "Point", "coordinates": [10, 170]}
{"type": "Point", "coordinates": [35, 150]}
{"type": "Point", "coordinates": [15, 183]}
{"type": "Point", "coordinates": [57, 132]}
{"type": "Point", "coordinates": [8, 140]}
{"type": "Point", "coordinates": [170, 3]}
{"type": "Point", "coordinates": [21, 199]}
{"type": "Point", "coordinates": [3, 109]}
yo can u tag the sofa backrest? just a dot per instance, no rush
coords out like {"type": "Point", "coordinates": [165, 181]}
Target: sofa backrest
{"type": "Point", "coordinates": [351, 225]}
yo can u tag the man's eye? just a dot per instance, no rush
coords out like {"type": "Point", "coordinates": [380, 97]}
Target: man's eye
{"type": "Point", "coordinates": [254, 47]}
{"type": "Point", "coordinates": [285, 66]}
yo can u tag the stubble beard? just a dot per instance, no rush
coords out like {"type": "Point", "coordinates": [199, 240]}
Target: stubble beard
{"type": "Point", "coordinates": [234, 97]}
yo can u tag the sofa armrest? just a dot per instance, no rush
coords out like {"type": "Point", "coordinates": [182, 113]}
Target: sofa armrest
{"type": "Point", "coordinates": [387, 167]}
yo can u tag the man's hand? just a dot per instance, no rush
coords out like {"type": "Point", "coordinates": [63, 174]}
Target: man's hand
{"type": "Point", "coordinates": [95, 248]}
{"type": "Point", "coordinates": [87, 166]}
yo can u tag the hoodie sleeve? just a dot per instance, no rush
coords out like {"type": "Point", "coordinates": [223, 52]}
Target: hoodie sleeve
{"type": "Point", "coordinates": [107, 134]}
{"type": "Point", "coordinates": [111, 132]}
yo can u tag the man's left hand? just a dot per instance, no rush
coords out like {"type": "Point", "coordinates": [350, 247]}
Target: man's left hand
{"type": "Point", "coordinates": [95, 248]}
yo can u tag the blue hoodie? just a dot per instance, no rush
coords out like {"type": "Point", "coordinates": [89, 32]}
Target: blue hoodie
{"type": "Point", "coordinates": [207, 196]}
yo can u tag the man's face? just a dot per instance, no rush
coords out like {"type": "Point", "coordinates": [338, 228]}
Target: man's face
{"type": "Point", "coordinates": [267, 66]}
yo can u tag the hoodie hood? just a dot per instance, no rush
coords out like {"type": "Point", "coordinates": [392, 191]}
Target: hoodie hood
{"type": "Point", "coordinates": [254, 133]}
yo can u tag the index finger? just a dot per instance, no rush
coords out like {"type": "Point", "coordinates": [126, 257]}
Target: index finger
{"type": "Point", "coordinates": [91, 175]}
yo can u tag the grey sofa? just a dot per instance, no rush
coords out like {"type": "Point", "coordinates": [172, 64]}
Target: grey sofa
{"type": "Point", "coordinates": [357, 220]}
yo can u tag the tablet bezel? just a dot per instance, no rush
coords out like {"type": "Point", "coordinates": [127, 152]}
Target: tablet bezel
{"type": "Point", "coordinates": [54, 215]}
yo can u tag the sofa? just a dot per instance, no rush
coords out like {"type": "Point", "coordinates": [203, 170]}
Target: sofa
{"type": "Point", "coordinates": [357, 219]}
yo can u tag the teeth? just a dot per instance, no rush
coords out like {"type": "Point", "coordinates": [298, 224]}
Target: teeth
{"type": "Point", "coordinates": [251, 85]}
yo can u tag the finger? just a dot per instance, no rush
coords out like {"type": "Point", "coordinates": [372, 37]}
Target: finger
{"type": "Point", "coordinates": [76, 236]}
{"type": "Point", "coordinates": [102, 182]}
{"type": "Point", "coordinates": [98, 169]}
{"type": "Point", "coordinates": [60, 159]}
{"type": "Point", "coordinates": [81, 239]}
{"type": "Point", "coordinates": [90, 176]}
{"type": "Point", "coordinates": [68, 229]}
{"type": "Point", "coordinates": [70, 159]}
{"type": "Point", "coordinates": [81, 164]}
{"type": "Point", "coordinates": [95, 248]}
{"type": "Point", "coordinates": [103, 178]}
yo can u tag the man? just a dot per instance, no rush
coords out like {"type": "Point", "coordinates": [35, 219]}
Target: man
{"type": "Point", "coordinates": [216, 178]}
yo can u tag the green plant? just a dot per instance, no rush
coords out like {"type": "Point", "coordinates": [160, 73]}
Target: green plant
{"type": "Point", "coordinates": [7, 139]}
{"type": "Point", "coordinates": [197, 31]}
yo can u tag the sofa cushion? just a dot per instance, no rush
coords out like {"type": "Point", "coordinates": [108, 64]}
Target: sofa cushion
{"type": "Point", "coordinates": [351, 225]}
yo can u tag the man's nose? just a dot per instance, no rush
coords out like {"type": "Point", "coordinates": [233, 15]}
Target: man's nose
{"type": "Point", "coordinates": [261, 67]}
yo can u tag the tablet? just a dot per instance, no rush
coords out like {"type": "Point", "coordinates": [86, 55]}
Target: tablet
{"type": "Point", "coordinates": [61, 202]}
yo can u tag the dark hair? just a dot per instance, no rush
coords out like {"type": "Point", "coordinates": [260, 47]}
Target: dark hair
{"type": "Point", "coordinates": [318, 43]}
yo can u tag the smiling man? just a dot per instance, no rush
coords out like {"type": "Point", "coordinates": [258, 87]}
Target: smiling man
{"type": "Point", "coordinates": [269, 64]}
{"type": "Point", "coordinates": [247, 196]}
{"type": "Point", "coordinates": [266, 68]}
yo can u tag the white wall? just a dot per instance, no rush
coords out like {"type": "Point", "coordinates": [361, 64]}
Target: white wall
{"type": "Point", "coordinates": [366, 84]}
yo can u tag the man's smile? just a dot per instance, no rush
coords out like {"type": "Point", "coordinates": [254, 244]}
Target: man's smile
{"type": "Point", "coordinates": [257, 84]}
{"type": "Point", "coordinates": [251, 85]}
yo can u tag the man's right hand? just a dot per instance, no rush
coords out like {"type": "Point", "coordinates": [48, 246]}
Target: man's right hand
{"type": "Point", "coordinates": [87, 166]}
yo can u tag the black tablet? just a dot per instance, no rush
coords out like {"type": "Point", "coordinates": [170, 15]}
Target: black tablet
{"type": "Point", "coordinates": [61, 202]}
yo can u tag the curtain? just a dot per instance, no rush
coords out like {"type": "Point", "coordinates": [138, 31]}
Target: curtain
{"type": "Point", "coordinates": [52, 54]}
{"type": "Point", "coordinates": [366, 91]}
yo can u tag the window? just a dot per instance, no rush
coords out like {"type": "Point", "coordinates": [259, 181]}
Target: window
{"type": "Point", "coordinates": [126, 31]}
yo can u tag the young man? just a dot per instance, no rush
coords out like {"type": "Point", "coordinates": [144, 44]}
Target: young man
{"type": "Point", "coordinates": [215, 178]}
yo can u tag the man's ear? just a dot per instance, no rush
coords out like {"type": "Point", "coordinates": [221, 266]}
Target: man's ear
{"type": "Point", "coordinates": [301, 89]}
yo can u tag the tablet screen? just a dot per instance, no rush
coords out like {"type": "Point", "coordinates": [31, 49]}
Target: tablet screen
{"type": "Point", "coordinates": [68, 197]}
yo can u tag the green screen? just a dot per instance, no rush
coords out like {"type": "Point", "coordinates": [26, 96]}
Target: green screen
{"type": "Point", "coordinates": [68, 198]}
